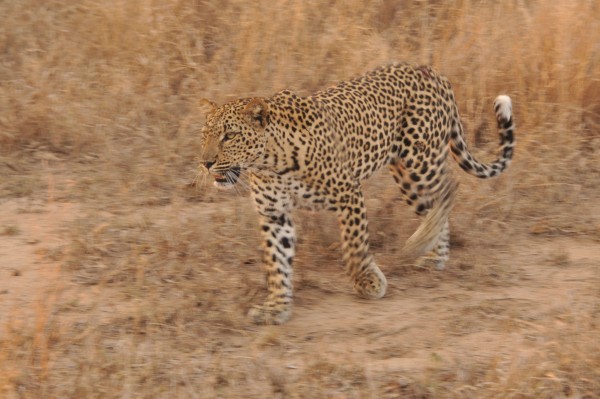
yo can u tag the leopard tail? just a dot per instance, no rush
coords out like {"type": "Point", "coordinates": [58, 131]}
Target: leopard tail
{"type": "Point", "coordinates": [506, 130]}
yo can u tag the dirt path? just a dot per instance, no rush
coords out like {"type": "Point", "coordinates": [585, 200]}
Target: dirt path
{"type": "Point", "coordinates": [425, 320]}
{"type": "Point", "coordinates": [414, 327]}
{"type": "Point", "coordinates": [30, 278]}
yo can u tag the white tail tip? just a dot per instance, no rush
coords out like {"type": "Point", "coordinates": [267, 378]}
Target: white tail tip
{"type": "Point", "coordinates": [503, 107]}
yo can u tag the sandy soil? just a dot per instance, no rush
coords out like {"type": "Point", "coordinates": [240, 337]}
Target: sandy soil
{"type": "Point", "coordinates": [29, 275]}
{"type": "Point", "coordinates": [424, 318]}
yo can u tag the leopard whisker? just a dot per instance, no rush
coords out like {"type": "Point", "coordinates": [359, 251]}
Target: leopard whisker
{"type": "Point", "coordinates": [243, 180]}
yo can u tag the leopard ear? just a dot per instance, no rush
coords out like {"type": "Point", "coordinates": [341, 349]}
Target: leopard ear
{"type": "Point", "coordinates": [206, 106]}
{"type": "Point", "coordinates": [257, 112]}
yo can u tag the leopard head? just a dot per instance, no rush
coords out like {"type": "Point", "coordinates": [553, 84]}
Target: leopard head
{"type": "Point", "coordinates": [233, 139]}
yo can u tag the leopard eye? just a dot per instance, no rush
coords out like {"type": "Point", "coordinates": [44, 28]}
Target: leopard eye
{"type": "Point", "coordinates": [230, 135]}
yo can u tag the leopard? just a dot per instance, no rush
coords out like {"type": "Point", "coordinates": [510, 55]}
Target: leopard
{"type": "Point", "coordinates": [314, 152]}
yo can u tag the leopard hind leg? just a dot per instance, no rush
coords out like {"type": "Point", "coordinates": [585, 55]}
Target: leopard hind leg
{"type": "Point", "coordinates": [418, 192]}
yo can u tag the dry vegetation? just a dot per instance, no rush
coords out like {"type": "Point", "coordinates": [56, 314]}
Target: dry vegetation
{"type": "Point", "coordinates": [151, 276]}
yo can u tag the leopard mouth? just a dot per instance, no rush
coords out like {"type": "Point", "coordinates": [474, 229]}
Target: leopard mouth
{"type": "Point", "coordinates": [228, 177]}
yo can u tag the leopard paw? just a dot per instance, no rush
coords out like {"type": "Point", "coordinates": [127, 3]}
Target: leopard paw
{"type": "Point", "coordinates": [428, 261]}
{"type": "Point", "coordinates": [270, 313]}
{"type": "Point", "coordinates": [371, 284]}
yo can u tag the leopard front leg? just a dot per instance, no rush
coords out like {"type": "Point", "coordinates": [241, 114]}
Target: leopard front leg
{"type": "Point", "coordinates": [368, 280]}
{"type": "Point", "coordinates": [279, 238]}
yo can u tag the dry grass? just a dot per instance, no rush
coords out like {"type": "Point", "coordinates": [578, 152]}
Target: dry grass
{"type": "Point", "coordinates": [97, 107]}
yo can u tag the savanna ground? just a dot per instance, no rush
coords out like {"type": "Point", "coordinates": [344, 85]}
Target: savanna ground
{"type": "Point", "coordinates": [121, 277]}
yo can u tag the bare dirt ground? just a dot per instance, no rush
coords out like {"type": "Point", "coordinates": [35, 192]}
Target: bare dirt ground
{"type": "Point", "coordinates": [506, 318]}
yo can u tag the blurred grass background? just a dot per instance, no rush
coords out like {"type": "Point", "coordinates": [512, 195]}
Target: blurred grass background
{"type": "Point", "coordinates": [118, 81]}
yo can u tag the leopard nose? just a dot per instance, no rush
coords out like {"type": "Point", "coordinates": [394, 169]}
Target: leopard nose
{"type": "Point", "coordinates": [208, 164]}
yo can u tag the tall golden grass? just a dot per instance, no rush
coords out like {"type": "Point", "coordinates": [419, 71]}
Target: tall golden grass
{"type": "Point", "coordinates": [74, 73]}
{"type": "Point", "coordinates": [97, 78]}
{"type": "Point", "coordinates": [109, 90]}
